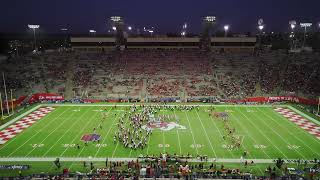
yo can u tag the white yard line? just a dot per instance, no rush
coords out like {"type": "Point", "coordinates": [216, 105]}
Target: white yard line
{"type": "Point", "coordinates": [292, 135]}
{"type": "Point", "coordinates": [230, 152]}
{"type": "Point", "coordinates": [81, 159]}
{"type": "Point", "coordinates": [80, 132]}
{"type": "Point", "coordinates": [275, 132]}
{"type": "Point", "coordinates": [107, 133]}
{"type": "Point", "coordinates": [206, 134]}
{"type": "Point", "coordinates": [263, 134]}
{"type": "Point", "coordinates": [57, 127]}
{"type": "Point", "coordinates": [163, 142]}
{"type": "Point", "coordinates": [148, 144]}
{"type": "Point", "coordinates": [248, 132]}
{"type": "Point", "coordinates": [53, 120]}
{"type": "Point", "coordinates": [194, 141]}
{"type": "Point", "coordinates": [174, 111]}
{"type": "Point", "coordinates": [74, 123]}
{"type": "Point", "coordinates": [114, 151]}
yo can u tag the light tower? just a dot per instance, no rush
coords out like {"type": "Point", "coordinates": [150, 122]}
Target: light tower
{"type": "Point", "coordinates": [65, 32]}
{"type": "Point", "coordinates": [226, 28]}
{"type": "Point", "coordinates": [260, 27]}
{"type": "Point", "coordinates": [292, 24]}
{"type": "Point", "coordinates": [205, 40]}
{"type": "Point", "coordinates": [117, 24]}
{"type": "Point", "coordinates": [34, 27]}
{"type": "Point", "coordinates": [184, 30]}
{"type": "Point", "coordinates": [305, 26]}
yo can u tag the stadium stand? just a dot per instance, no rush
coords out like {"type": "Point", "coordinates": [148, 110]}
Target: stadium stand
{"type": "Point", "coordinates": [148, 74]}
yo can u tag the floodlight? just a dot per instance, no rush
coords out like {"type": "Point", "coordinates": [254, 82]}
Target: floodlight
{"type": "Point", "coordinates": [64, 29]}
{"type": "Point", "coordinates": [305, 25]}
{"type": "Point", "coordinates": [292, 26]}
{"type": "Point", "coordinates": [92, 31]}
{"type": "Point", "coordinates": [183, 33]}
{"type": "Point", "coordinates": [129, 28]}
{"type": "Point", "coordinates": [261, 27]}
{"type": "Point", "coordinates": [184, 26]}
{"type": "Point", "coordinates": [115, 18]}
{"type": "Point", "coordinates": [226, 27]}
{"type": "Point", "coordinates": [33, 26]}
{"type": "Point", "coordinates": [210, 18]}
{"type": "Point", "coordinates": [114, 28]}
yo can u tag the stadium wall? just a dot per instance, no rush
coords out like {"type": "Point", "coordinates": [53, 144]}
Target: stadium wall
{"type": "Point", "coordinates": [227, 44]}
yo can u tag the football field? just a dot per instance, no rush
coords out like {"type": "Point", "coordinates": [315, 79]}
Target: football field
{"type": "Point", "coordinates": [262, 131]}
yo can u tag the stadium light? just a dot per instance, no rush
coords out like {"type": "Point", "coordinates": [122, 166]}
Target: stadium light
{"type": "Point", "coordinates": [226, 28]}
{"type": "Point", "coordinates": [261, 27]}
{"type": "Point", "coordinates": [64, 30]}
{"type": "Point", "coordinates": [115, 18]}
{"type": "Point", "coordinates": [210, 18]}
{"type": "Point", "coordinates": [184, 26]}
{"type": "Point", "coordinates": [305, 26]}
{"type": "Point", "coordinates": [129, 28]}
{"type": "Point", "coordinates": [34, 27]}
{"type": "Point", "coordinates": [92, 31]}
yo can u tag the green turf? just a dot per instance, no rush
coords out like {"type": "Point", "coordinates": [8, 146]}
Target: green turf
{"type": "Point", "coordinates": [266, 135]}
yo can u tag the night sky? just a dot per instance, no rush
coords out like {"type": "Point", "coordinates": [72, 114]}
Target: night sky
{"type": "Point", "coordinates": [165, 15]}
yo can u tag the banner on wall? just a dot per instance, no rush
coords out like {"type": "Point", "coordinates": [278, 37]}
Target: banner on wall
{"type": "Point", "coordinates": [271, 99]}
{"type": "Point", "coordinates": [45, 97]}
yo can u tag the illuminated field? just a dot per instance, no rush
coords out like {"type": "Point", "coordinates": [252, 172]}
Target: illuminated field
{"type": "Point", "coordinates": [264, 133]}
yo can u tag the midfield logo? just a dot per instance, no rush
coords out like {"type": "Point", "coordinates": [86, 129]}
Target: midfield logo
{"type": "Point", "coordinates": [163, 126]}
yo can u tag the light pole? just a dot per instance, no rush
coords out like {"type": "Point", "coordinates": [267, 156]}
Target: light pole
{"type": "Point", "coordinates": [260, 27]}
{"type": "Point", "coordinates": [292, 24]}
{"type": "Point", "coordinates": [65, 30]}
{"type": "Point", "coordinates": [184, 30]}
{"type": "Point", "coordinates": [226, 28]}
{"type": "Point", "coordinates": [305, 26]}
{"type": "Point", "coordinates": [34, 27]}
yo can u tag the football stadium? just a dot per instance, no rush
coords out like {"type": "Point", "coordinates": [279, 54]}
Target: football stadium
{"type": "Point", "coordinates": [134, 103]}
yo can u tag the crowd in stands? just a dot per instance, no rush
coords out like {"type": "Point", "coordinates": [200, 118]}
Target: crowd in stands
{"type": "Point", "coordinates": [151, 73]}
{"type": "Point", "coordinates": [168, 166]}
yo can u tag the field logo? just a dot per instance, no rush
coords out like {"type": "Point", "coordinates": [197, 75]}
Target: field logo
{"type": "Point", "coordinates": [90, 137]}
{"type": "Point", "coordinates": [163, 126]}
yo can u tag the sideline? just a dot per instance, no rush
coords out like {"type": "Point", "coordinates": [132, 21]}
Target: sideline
{"type": "Point", "coordinates": [81, 159]}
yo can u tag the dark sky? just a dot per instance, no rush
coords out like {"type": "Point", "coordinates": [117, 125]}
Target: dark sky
{"type": "Point", "coordinates": [164, 15]}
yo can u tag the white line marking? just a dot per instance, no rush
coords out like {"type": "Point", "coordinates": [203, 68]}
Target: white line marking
{"type": "Point", "coordinates": [262, 133]}
{"type": "Point", "coordinates": [206, 134]}
{"type": "Point", "coordinates": [53, 120]}
{"type": "Point", "coordinates": [74, 123]}
{"type": "Point", "coordinates": [194, 141]}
